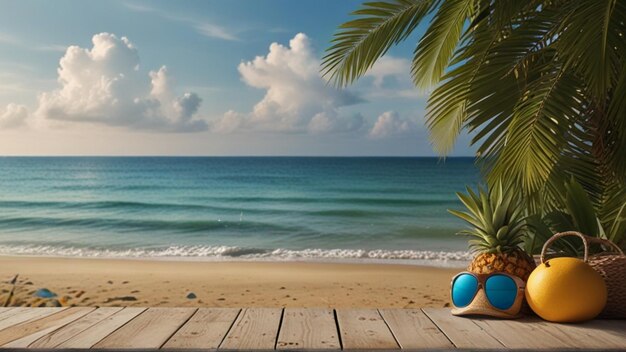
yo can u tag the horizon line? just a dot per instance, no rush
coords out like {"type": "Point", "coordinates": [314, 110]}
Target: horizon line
{"type": "Point", "coordinates": [232, 156]}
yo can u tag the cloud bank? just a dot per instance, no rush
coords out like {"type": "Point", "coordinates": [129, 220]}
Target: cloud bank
{"type": "Point", "coordinates": [390, 124]}
{"type": "Point", "coordinates": [103, 85]}
{"type": "Point", "coordinates": [296, 98]}
{"type": "Point", "coordinates": [13, 116]}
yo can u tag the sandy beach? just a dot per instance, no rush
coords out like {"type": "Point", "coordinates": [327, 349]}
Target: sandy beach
{"type": "Point", "coordinates": [118, 282]}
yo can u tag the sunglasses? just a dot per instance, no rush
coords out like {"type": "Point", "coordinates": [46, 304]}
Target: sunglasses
{"type": "Point", "coordinates": [504, 292]}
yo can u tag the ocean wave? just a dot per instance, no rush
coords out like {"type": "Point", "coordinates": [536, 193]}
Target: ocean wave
{"type": "Point", "coordinates": [180, 226]}
{"type": "Point", "coordinates": [377, 201]}
{"type": "Point", "coordinates": [252, 201]}
{"type": "Point", "coordinates": [226, 253]}
{"type": "Point", "coordinates": [147, 207]}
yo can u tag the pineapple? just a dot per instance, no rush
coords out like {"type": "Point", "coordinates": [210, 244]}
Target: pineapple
{"type": "Point", "coordinates": [498, 228]}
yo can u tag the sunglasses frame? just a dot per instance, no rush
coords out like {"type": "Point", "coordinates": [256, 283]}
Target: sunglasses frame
{"type": "Point", "coordinates": [482, 280]}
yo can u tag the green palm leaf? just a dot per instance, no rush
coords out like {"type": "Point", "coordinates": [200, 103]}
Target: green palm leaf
{"type": "Point", "coordinates": [360, 42]}
{"type": "Point", "coordinates": [535, 138]}
{"type": "Point", "coordinates": [435, 49]}
{"type": "Point", "coordinates": [588, 44]}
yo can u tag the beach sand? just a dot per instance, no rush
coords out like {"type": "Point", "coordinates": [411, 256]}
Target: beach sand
{"type": "Point", "coordinates": [117, 282]}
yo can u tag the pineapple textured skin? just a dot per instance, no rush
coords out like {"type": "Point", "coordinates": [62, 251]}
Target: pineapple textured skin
{"type": "Point", "coordinates": [516, 263]}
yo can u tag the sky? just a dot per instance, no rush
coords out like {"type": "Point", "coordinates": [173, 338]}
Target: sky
{"type": "Point", "coordinates": [223, 78]}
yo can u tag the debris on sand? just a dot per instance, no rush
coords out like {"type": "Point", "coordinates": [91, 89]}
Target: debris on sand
{"type": "Point", "coordinates": [45, 293]}
{"type": "Point", "coordinates": [121, 298]}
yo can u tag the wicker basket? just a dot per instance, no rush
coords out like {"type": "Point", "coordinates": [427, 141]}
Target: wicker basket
{"type": "Point", "coordinates": [612, 268]}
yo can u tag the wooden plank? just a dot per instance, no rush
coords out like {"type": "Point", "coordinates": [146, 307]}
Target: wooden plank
{"type": "Point", "coordinates": [7, 313]}
{"type": "Point", "coordinates": [526, 333]}
{"type": "Point", "coordinates": [206, 329]}
{"type": "Point", "coordinates": [308, 328]}
{"type": "Point", "coordinates": [22, 335]}
{"type": "Point", "coordinates": [20, 315]}
{"type": "Point", "coordinates": [364, 329]}
{"type": "Point", "coordinates": [4, 311]}
{"type": "Point", "coordinates": [65, 333]}
{"type": "Point", "coordinates": [255, 329]}
{"type": "Point", "coordinates": [151, 329]}
{"type": "Point", "coordinates": [414, 330]}
{"type": "Point", "coordinates": [461, 330]}
{"type": "Point", "coordinates": [596, 334]}
{"type": "Point", "coordinates": [92, 335]}
{"type": "Point", "coordinates": [534, 333]}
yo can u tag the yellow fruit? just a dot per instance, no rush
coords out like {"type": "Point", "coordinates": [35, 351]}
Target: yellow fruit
{"type": "Point", "coordinates": [566, 290]}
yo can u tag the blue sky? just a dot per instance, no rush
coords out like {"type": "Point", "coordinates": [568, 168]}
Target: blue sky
{"type": "Point", "coordinates": [196, 78]}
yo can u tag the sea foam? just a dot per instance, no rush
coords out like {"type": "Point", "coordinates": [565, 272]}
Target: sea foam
{"type": "Point", "coordinates": [231, 253]}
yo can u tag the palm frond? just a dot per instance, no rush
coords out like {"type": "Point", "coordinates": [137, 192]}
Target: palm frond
{"type": "Point", "coordinates": [360, 42]}
{"type": "Point", "coordinates": [535, 138]}
{"type": "Point", "coordinates": [447, 105]}
{"type": "Point", "coordinates": [616, 114]}
{"type": "Point", "coordinates": [587, 43]}
{"type": "Point", "coordinates": [436, 48]}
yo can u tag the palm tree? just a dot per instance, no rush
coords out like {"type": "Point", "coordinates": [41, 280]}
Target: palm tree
{"type": "Point", "coordinates": [540, 84]}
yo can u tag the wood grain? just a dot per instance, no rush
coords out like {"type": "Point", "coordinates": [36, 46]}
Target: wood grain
{"type": "Point", "coordinates": [414, 330]}
{"type": "Point", "coordinates": [24, 334]}
{"type": "Point", "coordinates": [528, 333]}
{"type": "Point", "coordinates": [301, 329]}
{"type": "Point", "coordinates": [364, 329]}
{"type": "Point", "coordinates": [21, 315]}
{"type": "Point", "coordinates": [255, 329]}
{"type": "Point", "coordinates": [461, 330]}
{"type": "Point", "coordinates": [4, 311]}
{"type": "Point", "coordinates": [150, 329]}
{"type": "Point", "coordinates": [596, 334]}
{"type": "Point", "coordinates": [92, 335]}
{"type": "Point", "coordinates": [206, 329]}
{"type": "Point", "coordinates": [63, 334]}
{"type": "Point", "coordinates": [308, 328]}
{"type": "Point", "coordinates": [9, 312]}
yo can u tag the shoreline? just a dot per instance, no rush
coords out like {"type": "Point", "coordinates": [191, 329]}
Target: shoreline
{"type": "Point", "coordinates": [168, 283]}
{"type": "Point", "coordinates": [426, 263]}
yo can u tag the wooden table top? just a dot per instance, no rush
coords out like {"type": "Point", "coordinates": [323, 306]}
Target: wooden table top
{"type": "Point", "coordinates": [115, 328]}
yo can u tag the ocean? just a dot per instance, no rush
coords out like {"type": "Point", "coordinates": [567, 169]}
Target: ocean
{"type": "Point", "coordinates": [372, 209]}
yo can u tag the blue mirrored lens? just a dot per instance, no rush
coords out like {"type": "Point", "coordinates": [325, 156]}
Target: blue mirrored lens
{"type": "Point", "coordinates": [464, 288]}
{"type": "Point", "coordinates": [501, 291]}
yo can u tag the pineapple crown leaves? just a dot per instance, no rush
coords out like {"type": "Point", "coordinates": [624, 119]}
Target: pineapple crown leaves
{"type": "Point", "coordinates": [495, 217]}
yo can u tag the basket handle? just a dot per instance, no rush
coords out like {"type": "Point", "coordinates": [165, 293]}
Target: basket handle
{"type": "Point", "coordinates": [563, 234]}
{"type": "Point", "coordinates": [586, 240]}
{"type": "Point", "coordinates": [607, 243]}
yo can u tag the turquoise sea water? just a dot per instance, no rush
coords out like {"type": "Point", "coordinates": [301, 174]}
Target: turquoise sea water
{"type": "Point", "coordinates": [283, 208]}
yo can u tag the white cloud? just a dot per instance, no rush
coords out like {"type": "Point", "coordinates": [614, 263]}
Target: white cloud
{"type": "Point", "coordinates": [13, 116]}
{"type": "Point", "coordinates": [390, 124]}
{"type": "Point", "coordinates": [230, 122]}
{"type": "Point", "coordinates": [297, 99]}
{"type": "Point", "coordinates": [328, 122]}
{"type": "Point", "coordinates": [104, 85]}
{"type": "Point", "coordinates": [204, 28]}
{"type": "Point", "coordinates": [392, 79]}
{"type": "Point", "coordinates": [213, 31]}
{"type": "Point", "coordinates": [389, 66]}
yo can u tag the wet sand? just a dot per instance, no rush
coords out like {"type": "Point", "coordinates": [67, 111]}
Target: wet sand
{"type": "Point", "coordinates": [119, 282]}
